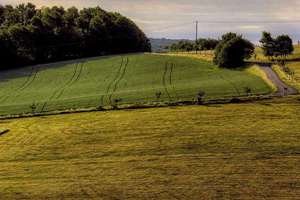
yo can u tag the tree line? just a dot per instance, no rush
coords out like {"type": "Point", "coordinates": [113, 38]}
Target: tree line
{"type": "Point", "coordinates": [29, 35]}
{"type": "Point", "coordinates": [231, 50]}
{"type": "Point", "coordinates": [200, 45]}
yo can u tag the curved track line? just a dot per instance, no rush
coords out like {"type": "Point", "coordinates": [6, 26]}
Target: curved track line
{"type": "Point", "coordinates": [171, 80]}
{"type": "Point", "coordinates": [165, 81]}
{"type": "Point", "coordinates": [72, 82]}
{"type": "Point", "coordinates": [3, 99]}
{"type": "Point", "coordinates": [112, 82]}
{"type": "Point", "coordinates": [32, 80]}
{"type": "Point", "coordinates": [28, 83]}
{"type": "Point", "coordinates": [58, 90]}
{"type": "Point", "coordinates": [118, 80]}
{"type": "Point", "coordinates": [69, 82]}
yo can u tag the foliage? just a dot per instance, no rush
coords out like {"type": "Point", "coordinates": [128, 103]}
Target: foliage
{"type": "Point", "coordinates": [280, 46]}
{"type": "Point", "coordinates": [232, 51]}
{"type": "Point", "coordinates": [29, 35]}
{"type": "Point", "coordinates": [182, 45]}
{"type": "Point", "coordinates": [206, 44]}
{"type": "Point", "coordinates": [201, 44]}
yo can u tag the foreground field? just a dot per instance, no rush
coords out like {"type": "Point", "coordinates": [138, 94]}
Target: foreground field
{"type": "Point", "coordinates": [127, 79]}
{"type": "Point", "coordinates": [244, 151]}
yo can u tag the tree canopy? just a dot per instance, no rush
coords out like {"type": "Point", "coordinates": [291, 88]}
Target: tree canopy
{"type": "Point", "coordinates": [282, 45]}
{"type": "Point", "coordinates": [29, 35]}
{"type": "Point", "coordinates": [200, 44]}
{"type": "Point", "coordinates": [232, 50]}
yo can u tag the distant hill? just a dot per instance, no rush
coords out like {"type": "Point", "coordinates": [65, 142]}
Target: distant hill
{"type": "Point", "coordinates": [159, 44]}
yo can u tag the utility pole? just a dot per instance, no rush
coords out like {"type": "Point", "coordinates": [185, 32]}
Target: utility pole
{"type": "Point", "coordinates": [196, 37]}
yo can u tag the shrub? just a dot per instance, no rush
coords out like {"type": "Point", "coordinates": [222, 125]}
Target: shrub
{"type": "Point", "coordinates": [232, 51]}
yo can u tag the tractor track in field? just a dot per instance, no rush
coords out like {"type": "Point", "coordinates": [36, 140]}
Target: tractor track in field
{"type": "Point", "coordinates": [164, 80]}
{"type": "Point", "coordinates": [112, 82]}
{"type": "Point", "coordinates": [81, 66]}
{"type": "Point", "coordinates": [123, 72]}
{"type": "Point", "coordinates": [58, 92]}
{"type": "Point", "coordinates": [24, 85]}
{"type": "Point", "coordinates": [29, 83]}
{"type": "Point", "coordinates": [171, 79]}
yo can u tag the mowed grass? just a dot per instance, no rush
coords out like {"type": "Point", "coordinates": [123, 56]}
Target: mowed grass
{"type": "Point", "coordinates": [235, 151]}
{"type": "Point", "coordinates": [126, 79]}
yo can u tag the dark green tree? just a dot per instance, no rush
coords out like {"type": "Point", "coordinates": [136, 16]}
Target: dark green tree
{"type": "Point", "coordinates": [281, 46]}
{"type": "Point", "coordinates": [284, 45]}
{"type": "Point", "coordinates": [232, 51]}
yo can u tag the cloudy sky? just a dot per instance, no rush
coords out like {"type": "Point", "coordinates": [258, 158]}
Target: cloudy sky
{"type": "Point", "coordinates": [176, 18]}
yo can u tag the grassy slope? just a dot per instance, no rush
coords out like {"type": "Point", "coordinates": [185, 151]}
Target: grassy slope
{"type": "Point", "coordinates": [244, 151]}
{"type": "Point", "coordinates": [131, 78]}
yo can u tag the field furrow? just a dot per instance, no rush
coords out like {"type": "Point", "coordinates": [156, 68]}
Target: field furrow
{"type": "Point", "coordinates": [122, 74]}
{"type": "Point", "coordinates": [61, 88]}
{"type": "Point", "coordinates": [109, 87]}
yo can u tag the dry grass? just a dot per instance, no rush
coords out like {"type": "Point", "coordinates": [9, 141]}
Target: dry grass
{"type": "Point", "coordinates": [203, 55]}
{"type": "Point", "coordinates": [291, 80]}
{"type": "Point", "coordinates": [237, 151]}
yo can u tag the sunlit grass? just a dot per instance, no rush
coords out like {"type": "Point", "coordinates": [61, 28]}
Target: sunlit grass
{"type": "Point", "coordinates": [236, 151]}
{"type": "Point", "coordinates": [118, 80]}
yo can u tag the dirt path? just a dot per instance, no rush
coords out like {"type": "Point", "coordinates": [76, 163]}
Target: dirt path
{"type": "Point", "coordinates": [283, 89]}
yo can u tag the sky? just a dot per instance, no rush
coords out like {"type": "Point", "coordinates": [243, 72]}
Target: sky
{"type": "Point", "coordinates": [176, 19]}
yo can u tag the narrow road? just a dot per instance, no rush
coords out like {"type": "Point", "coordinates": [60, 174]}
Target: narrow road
{"type": "Point", "coordinates": [282, 88]}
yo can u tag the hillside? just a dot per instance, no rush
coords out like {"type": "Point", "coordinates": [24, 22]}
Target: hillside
{"type": "Point", "coordinates": [119, 80]}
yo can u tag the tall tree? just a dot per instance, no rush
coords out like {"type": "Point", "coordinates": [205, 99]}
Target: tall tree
{"type": "Point", "coordinates": [284, 45]}
{"type": "Point", "coordinates": [232, 51]}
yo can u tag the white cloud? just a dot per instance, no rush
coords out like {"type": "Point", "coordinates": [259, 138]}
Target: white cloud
{"type": "Point", "coordinates": [250, 27]}
{"type": "Point", "coordinates": [165, 18]}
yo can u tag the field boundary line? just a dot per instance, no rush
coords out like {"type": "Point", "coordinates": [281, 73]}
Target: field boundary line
{"type": "Point", "coordinates": [123, 72]}
{"type": "Point", "coordinates": [112, 82]}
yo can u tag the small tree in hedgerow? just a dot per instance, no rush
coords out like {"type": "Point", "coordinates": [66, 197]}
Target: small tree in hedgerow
{"type": "Point", "coordinates": [232, 51]}
{"type": "Point", "coordinates": [284, 45]}
{"type": "Point", "coordinates": [268, 45]}
{"type": "Point", "coordinates": [281, 46]}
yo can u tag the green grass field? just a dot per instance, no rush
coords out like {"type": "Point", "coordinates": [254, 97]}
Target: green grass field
{"type": "Point", "coordinates": [234, 151]}
{"type": "Point", "coordinates": [127, 79]}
